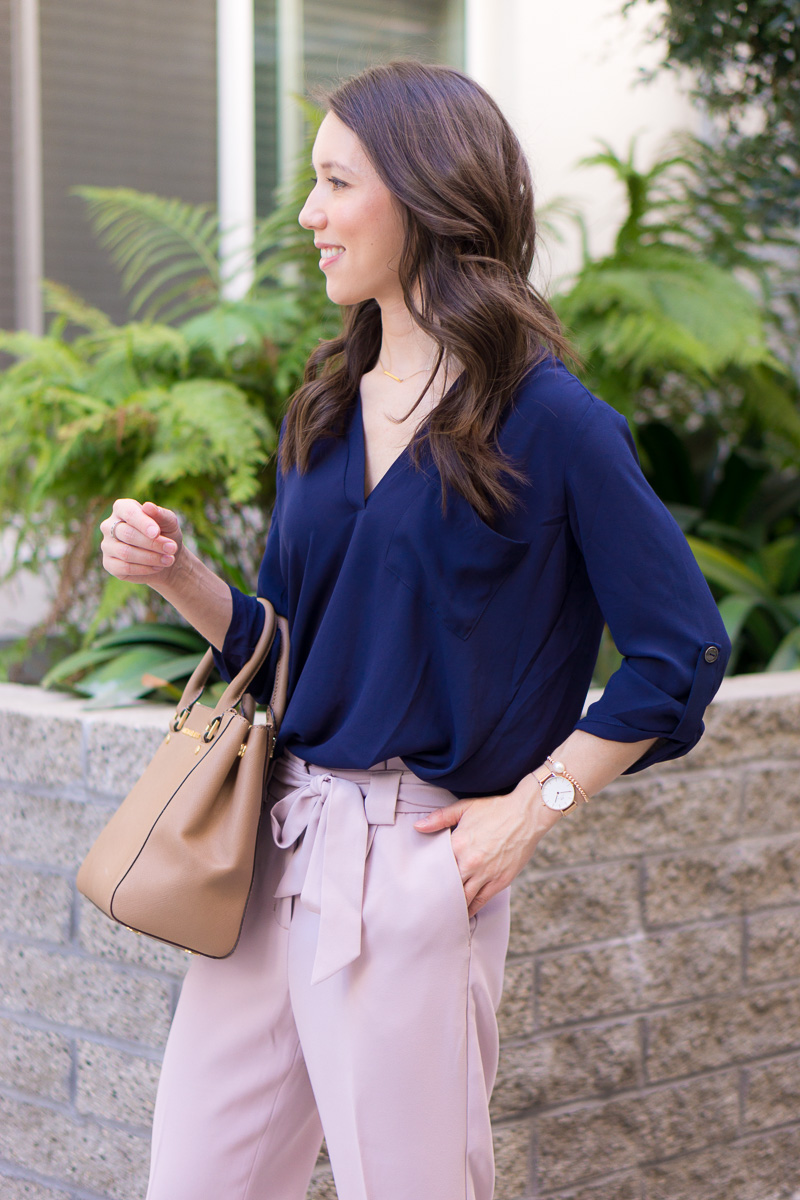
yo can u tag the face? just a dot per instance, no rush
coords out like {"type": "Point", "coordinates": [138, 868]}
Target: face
{"type": "Point", "coordinates": [355, 220]}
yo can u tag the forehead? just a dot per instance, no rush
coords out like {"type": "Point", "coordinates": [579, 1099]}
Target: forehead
{"type": "Point", "coordinates": [337, 147]}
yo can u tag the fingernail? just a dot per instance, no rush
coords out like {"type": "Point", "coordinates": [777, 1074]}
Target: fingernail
{"type": "Point", "coordinates": [152, 530]}
{"type": "Point", "coordinates": [167, 559]}
{"type": "Point", "coordinates": [169, 547]}
{"type": "Point", "coordinates": [423, 821]}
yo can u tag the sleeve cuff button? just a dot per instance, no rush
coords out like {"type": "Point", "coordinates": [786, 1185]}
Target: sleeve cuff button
{"type": "Point", "coordinates": [711, 655]}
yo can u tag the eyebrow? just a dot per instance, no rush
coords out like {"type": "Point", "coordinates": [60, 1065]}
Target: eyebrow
{"type": "Point", "coordinates": [330, 166]}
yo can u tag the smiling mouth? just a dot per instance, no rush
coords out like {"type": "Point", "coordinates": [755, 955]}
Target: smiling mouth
{"type": "Point", "coordinates": [327, 255]}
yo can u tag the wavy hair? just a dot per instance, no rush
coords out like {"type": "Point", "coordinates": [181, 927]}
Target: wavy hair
{"type": "Point", "coordinates": [445, 151]}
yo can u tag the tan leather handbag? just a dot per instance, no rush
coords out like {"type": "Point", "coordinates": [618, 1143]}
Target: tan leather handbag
{"type": "Point", "coordinates": [176, 860]}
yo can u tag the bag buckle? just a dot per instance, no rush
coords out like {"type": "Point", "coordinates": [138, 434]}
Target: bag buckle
{"type": "Point", "coordinates": [211, 729]}
{"type": "Point", "coordinates": [181, 719]}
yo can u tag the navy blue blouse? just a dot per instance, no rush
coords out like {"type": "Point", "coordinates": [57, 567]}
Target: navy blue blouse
{"type": "Point", "coordinates": [466, 649]}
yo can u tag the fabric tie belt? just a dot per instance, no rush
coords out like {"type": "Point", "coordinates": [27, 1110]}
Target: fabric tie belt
{"type": "Point", "coordinates": [333, 815]}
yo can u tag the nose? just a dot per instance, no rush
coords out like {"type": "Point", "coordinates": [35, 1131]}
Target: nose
{"type": "Point", "coordinates": [311, 215]}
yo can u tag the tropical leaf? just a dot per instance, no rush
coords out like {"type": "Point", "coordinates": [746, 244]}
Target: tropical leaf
{"type": "Point", "coordinates": [229, 328]}
{"type": "Point", "coordinates": [61, 300]}
{"type": "Point", "coordinates": [120, 681]}
{"type": "Point", "coordinates": [781, 563]}
{"type": "Point", "coordinates": [156, 242]}
{"type": "Point", "coordinates": [76, 663]}
{"type": "Point", "coordinates": [206, 423]}
{"type": "Point", "coordinates": [787, 655]}
{"type": "Point", "coordinates": [660, 308]}
{"type": "Point", "coordinates": [728, 572]}
{"type": "Point", "coordinates": [150, 633]}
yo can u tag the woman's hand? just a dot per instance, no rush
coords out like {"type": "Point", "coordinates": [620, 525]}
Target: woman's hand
{"type": "Point", "coordinates": [141, 542]}
{"type": "Point", "coordinates": [494, 837]}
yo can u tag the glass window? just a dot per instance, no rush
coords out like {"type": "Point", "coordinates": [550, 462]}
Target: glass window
{"type": "Point", "coordinates": [340, 39]}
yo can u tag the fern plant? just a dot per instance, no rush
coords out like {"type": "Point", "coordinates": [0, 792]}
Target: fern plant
{"type": "Point", "coordinates": [118, 411]}
{"type": "Point", "coordinates": [675, 328]}
{"type": "Point", "coordinates": [180, 405]}
{"type": "Point", "coordinates": [669, 334]}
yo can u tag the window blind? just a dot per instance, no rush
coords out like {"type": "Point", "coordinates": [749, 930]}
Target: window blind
{"type": "Point", "coordinates": [340, 39]}
{"type": "Point", "coordinates": [128, 99]}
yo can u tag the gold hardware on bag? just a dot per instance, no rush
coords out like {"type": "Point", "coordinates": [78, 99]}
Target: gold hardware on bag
{"type": "Point", "coordinates": [192, 733]}
{"type": "Point", "coordinates": [198, 749]}
{"type": "Point", "coordinates": [181, 719]}
{"type": "Point", "coordinates": [242, 749]}
{"type": "Point", "coordinates": [211, 729]}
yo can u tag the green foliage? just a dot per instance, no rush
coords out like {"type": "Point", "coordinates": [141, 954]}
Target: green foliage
{"type": "Point", "coordinates": [180, 405]}
{"type": "Point", "coordinates": [677, 342]}
{"type": "Point", "coordinates": [140, 661]}
{"type": "Point", "coordinates": [176, 245]}
{"type": "Point", "coordinates": [743, 525]}
{"type": "Point", "coordinates": [669, 334]}
{"type": "Point", "coordinates": [117, 412]}
{"type": "Point", "coordinates": [745, 56]}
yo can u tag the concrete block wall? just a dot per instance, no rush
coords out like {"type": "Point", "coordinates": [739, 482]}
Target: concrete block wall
{"type": "Point", "coordinates": [651, 1016]}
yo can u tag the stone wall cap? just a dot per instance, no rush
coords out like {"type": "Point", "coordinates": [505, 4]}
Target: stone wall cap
{"type": "Point", "coordinates": [39, 702]}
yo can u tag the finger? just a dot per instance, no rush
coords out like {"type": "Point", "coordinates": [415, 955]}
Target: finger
{"type": "Point", "coordinates": [132, 513]}
{"type": "Point", "coordinates": [477, 901]}
{"type": "Point", "coordinates": [166, 518]}
{"type": "Point", "coordinates": [117, 551]}
{"type": "Point", "coordinates": [131, 537]}
{"type": "Point", "coordinates": [442, 818]}
{"type": "Point", "coordinates": [129, 572]}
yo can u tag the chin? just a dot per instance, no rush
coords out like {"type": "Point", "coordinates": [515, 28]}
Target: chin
{"type": "Point", "coordinates": [344, 295]}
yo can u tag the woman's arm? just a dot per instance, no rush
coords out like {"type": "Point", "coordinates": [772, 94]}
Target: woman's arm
{"type": "Point", "coordinates": [594, 761]}
{"type": "Point", "coordinates": [496, 835]}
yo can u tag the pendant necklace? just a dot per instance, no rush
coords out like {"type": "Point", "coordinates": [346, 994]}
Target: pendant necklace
{"type": "Point", "coordinates": [405, 377]}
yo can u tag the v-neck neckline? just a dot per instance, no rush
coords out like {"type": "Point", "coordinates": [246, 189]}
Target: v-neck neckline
{"type": "Point", "coordinates": [357, 460]}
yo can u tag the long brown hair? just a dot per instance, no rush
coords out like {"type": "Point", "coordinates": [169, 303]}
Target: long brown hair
{"type": "Point", "coordinates": [444, 150]}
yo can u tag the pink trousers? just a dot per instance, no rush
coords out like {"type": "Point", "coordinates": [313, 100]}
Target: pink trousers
{"type": "Point", "coordinates": [360, 1001]}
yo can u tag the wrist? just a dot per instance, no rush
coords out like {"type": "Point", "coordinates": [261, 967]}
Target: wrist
{"type": "Point", "coordinates": [176, 580]}
{"type": "Point", "coordinates": [560, 790]}
{"type": "Point", "coordinates": [541, 818]}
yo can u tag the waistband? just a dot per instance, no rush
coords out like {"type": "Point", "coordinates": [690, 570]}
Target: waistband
{"type": "Point", "coordinates": [329, 816]}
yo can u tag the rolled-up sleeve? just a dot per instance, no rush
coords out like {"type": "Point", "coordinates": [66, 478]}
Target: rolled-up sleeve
{"type": "Point", "coordinates": [658, 607]}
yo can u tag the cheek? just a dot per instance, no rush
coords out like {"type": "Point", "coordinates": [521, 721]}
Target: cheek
{"type": "Point", "coordinates": [384, 229]}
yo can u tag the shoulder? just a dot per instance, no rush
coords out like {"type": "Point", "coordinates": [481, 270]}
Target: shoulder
{"type": "Point", "coordinates": [552, 401]}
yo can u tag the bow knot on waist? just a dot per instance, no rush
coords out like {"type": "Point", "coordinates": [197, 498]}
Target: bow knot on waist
{"type": "Point", "coordinates": [330, 818]}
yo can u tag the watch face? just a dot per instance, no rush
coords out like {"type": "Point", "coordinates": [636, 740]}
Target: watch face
{"type": "Point", "coordinates": [557, 792]}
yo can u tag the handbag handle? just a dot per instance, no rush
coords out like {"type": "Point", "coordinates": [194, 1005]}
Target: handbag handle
{"type": "Point", "coordinates": [236, 690]}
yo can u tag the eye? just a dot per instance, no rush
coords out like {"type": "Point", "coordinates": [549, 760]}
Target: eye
{"type": "Point", "coordinates": [336, 183]}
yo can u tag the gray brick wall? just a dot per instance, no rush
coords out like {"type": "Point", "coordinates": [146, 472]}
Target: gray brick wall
{"type": "Point", "coordinates": [651, 1015]}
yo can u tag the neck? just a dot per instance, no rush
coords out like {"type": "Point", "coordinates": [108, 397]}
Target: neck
{"type": "Point", "coordinates": [405, 348]}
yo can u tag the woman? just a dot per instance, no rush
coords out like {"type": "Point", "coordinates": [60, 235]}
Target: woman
{"type": "Point", "coordinates": [455, 518]}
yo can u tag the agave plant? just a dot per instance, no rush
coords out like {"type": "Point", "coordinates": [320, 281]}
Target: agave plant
{"type": "Point", "coordinates": [141, 660]}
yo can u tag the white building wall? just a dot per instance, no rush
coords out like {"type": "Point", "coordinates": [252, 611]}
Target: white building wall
{"type": "Point", "coordinates": [565, 74]}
